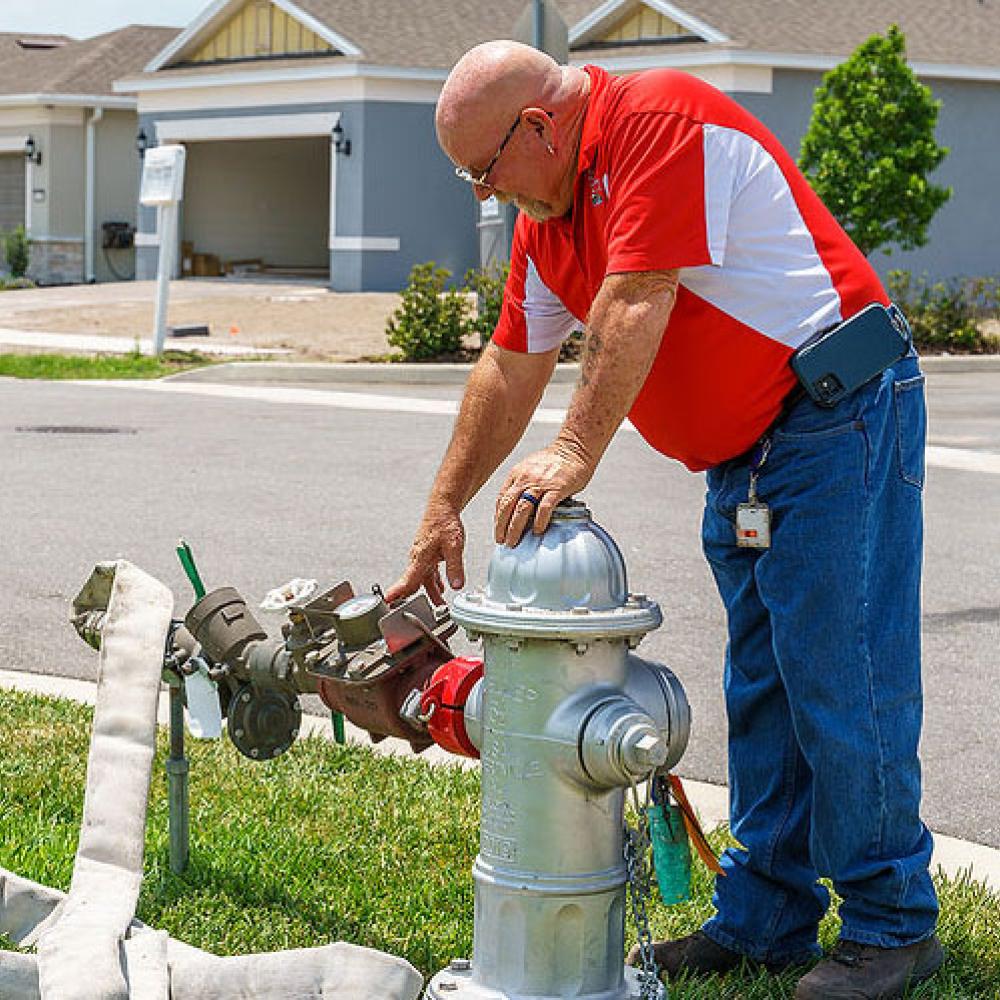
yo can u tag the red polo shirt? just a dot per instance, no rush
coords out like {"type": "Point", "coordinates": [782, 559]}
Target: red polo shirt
{"type": "Point", "coordinates": [672, 173]}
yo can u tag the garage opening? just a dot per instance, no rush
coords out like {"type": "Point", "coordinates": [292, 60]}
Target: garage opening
{"type": "Point", "coordinates": [257, 207]}
{"type": "Point", "coordinates": [11, 195]}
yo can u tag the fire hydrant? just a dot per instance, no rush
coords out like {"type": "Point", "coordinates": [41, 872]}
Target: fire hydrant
{"type": "Point", "coordinates": [565, 719]}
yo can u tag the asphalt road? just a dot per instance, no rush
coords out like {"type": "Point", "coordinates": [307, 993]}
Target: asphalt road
{"type": "Point", "coordinates": [265, 490]}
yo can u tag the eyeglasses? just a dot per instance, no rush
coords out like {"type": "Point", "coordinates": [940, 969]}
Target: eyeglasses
{"type": "Point", "coordinates": [481, 181]}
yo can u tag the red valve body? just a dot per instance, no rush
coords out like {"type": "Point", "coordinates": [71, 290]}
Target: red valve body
{"type": "Point", "coordinates": [443, 700]}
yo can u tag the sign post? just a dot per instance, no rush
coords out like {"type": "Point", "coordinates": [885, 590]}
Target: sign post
{"type": "Point", "coordinates": [163, 186]}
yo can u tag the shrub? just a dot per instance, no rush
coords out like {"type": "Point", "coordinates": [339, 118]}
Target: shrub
{"type": "Point", "coordinates": [947, 315]}
{"type": "Point", "coordinates": [15, 247]}
{"type": "Point", "coordinates": [431, 319]}
{"type": "Point", "coordinates": [12, 284]}
{"type": "Point", "coordinates": [488, 284]}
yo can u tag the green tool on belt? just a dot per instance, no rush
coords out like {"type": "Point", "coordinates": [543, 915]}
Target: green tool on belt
{"type": "Point", "coordinates": [671, 846]}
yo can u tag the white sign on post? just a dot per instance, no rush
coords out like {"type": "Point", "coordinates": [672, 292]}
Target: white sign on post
{"type": "Point", "coordinates": [163, 186]}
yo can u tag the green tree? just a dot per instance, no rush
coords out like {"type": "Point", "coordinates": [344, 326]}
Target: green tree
{"type": "Point", "coordinates": [871, 145]}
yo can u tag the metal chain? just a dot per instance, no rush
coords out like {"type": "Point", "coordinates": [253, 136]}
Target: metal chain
{"type": "Point", "coordinates": [636, 846]}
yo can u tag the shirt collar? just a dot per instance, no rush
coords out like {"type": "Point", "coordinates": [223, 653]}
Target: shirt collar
{"type": "Point", "coordinates": [594, 119]}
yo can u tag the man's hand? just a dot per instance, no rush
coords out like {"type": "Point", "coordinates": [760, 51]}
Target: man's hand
{"type": "Point", "coordinates": [549, 475]}
{"type": "Point", "coordinates": [440, 538]}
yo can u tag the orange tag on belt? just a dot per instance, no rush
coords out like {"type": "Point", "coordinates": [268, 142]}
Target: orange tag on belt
{"type": "Point", "coordinates": [693, 827]}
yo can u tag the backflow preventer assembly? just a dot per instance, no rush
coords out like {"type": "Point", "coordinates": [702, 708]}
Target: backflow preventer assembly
{"type": "Point", "coordinates": [564, 716]}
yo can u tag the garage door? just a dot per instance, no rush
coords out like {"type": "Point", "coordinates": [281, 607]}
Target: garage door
{"type": "Point", "coordinates": [11, 190]}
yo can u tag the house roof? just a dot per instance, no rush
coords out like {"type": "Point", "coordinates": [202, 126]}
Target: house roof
{"type": "Point", "coordinates": [952, 32]}
{"type": "Point", "coordinates": [433, 34]}
{"type": "Point", "coordinates": [86, 67]}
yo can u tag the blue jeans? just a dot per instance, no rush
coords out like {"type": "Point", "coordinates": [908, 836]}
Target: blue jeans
{"type": "Point", "coordinates": [822, 677]}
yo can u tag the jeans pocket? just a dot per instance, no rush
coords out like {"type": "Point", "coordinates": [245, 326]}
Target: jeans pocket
{"type": "Point", "coordinates": [820, 433]}
{"type": "Point", "coordinates": [911, 429]}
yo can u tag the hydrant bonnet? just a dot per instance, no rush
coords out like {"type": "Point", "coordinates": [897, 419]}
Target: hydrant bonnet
{"type": "Point", "coordinates": [569, 582]}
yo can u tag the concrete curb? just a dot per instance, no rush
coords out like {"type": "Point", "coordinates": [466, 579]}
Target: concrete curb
{"type": "Point", "coordinates": [357, 373]}
{"type": "Point", "coordinates": [955, 857]}
{"type": "Point", "coordinates": [322, 373]}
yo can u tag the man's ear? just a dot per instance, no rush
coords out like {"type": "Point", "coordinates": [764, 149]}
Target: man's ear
{"type": "Point", "coordinates": [540, 122]}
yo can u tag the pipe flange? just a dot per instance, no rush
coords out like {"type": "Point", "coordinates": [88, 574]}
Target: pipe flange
{"type": "Point", "coordinates": [264, 722]}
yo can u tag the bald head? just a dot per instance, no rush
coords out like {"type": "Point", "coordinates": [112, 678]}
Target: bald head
{"type": "Point", "coordinates": [487, 89]}
{"type": "Point", "coordinates": [495, 88]}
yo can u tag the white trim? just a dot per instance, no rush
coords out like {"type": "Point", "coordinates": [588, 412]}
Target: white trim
{"type": "Point", "coordinates": [257, 98]}
{"type": "Point", "coordinates": [345, 45]}
{"type": "Point", "coordinates": [693, 24]}
{"type": "Point", "coordinates": [772, 60]}
{"type": "Point", "coordinates": [90, 188]}
{"type": "Point", "coordinates": [29, 178]}
{"type": "Point", "coordinates": [331, 231]}
{"type": "Point", "coordinates": [610, 9]}
{"type": "Point", "coordinates": [139, 84]}
{"type": "Point", "coordinates": [246, 127]}
{"type": "Point", "coordinates": [214, 12]}
{"type": "Point", "coordinates": [204, 18]}
{"type": "Point", "coordinates": [57, 239]}
{"type": "Point", "coordinates": [69, 100]}
{"type": "Point", "coordinates": [12, 143]}
{"type": "Point", "coordinates": [147, 239]}
{"type": "Point", "coordinates": [364, 242]}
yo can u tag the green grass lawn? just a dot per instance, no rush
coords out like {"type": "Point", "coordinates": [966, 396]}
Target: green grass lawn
{"type": "Point", "coordinates": [102, 366]}
{"type": "Point", "coordinates": [334, 842]}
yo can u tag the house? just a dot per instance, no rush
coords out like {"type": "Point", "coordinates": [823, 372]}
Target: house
{"type": "Point", "coordinates": [67, 147]}
{"type": "Point", "coordinates": [309, 123]}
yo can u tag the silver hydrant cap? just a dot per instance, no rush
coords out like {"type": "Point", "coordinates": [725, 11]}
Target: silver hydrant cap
{"type": "Point", "coordinates": [568, 582]}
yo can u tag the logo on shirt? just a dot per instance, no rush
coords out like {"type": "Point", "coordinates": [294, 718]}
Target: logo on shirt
{"type": "Point", "coordinates": [598, 189]}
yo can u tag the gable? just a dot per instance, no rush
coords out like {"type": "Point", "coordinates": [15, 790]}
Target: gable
{"type": "Point", "coordinates": [259, 30]}
{"type": "Point", "coordinates": [644, 25]}
{"type": "Point", "coordinates": [625, 22]}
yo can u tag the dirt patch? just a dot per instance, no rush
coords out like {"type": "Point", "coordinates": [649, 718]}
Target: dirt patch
{"type": "Point", "coordinates": [328, 325]}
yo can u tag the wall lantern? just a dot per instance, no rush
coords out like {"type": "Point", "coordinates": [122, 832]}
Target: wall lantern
{"type": "Point", "coordinates": [142, 143]}
{"type": "Point", "coordinates": [340, 144]}
{"type": "Point", "coordinates": [31, 152]}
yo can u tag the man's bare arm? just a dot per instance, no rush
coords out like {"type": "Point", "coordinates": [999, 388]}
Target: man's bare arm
{"type": "Point", "coordinates": [626, 325]}
{"type": "Point", "coordinates": [500, 397]}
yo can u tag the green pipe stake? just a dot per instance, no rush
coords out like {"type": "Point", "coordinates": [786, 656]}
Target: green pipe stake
{"type": "Point", "coordinates": [671, 850]}
{"type": "Point", "coordinates": [339, 735]}
{"type": "Point", "coordinates": [186, 557]}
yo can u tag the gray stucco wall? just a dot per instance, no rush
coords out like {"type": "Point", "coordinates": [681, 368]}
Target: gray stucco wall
{"type": "Point", "coordinates": [399, 183]}
{"type": "Point", "coordinates": [962, 237]}
{"type": "Point", "coordinates": [116, 189]}
{"type": "Point", "coordinates": [396, 183]}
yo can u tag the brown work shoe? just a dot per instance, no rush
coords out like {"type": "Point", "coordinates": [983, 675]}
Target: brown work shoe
{"type": "Point", "coordinates": [863, 972]}
{"type": "Point", "coordinates": [695, 955]}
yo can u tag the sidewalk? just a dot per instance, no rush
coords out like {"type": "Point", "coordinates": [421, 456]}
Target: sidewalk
{"type": "Point", "coordinates": [81, 343]}
{"type": "Point", "coordinates": [952, 855]}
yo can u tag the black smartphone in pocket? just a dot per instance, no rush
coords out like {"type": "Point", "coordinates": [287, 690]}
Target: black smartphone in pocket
{"type": "Point", "coordinates": [843, 359]}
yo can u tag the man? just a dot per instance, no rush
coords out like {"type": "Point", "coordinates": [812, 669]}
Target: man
{"type": "Point", "coordinates": [672, 223]}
